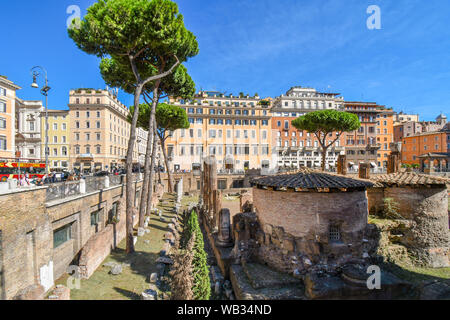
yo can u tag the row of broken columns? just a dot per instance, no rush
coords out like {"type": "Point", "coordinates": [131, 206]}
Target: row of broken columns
{"type": "Point", "coordinates": [393, 165]}
{"type": "Point", "coordinates": [211, 199]}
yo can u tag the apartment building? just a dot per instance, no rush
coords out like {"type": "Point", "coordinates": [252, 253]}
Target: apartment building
{"type": "Point", "coordinates": [403, 117]}
{"type": "Point", "coordinates": [406, 129]}
{"type": "Point", "coordinates": [58, 139]}
{"type": "Point", "coordinates": [7, 117]}
{"type": "Point", "coordinates": [361, 146]}
{"type": "Point", "coordinates": [28, 129]}
{"type": "Point", "coordinates": [99, 131]}
{"type": "Point", "coordinates": [385, 136]}
{"type": "Point", "coordinates": [235, 129]}
{"type": "Point", "coordinates": [432, 143]}
{"type": "Point", "coordinates": [141, 136]}
{"type": "Point", "coordinates": [293, 148]}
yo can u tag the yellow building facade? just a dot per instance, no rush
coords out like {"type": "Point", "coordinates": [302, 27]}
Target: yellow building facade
{"type": "Point", "coordinates": [58, 139]}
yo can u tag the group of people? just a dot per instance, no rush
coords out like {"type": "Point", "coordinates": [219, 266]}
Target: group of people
{"type": "Point", "coordinates": [48, 178]}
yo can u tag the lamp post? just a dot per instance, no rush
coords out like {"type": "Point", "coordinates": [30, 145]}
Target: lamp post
{"type": "Point", "coordinates": [36, 72]}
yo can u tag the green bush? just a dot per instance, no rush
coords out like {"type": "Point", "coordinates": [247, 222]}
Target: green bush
{"type": "Point", "coordinates": [391, 209]}
{"type": "Point", "coordinates": [201, 287]}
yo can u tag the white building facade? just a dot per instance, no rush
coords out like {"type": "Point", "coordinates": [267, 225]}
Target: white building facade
{"type": "Point", "coordinates": [295, 148]}
{"type": "Point", "coordinates": [28, 128]}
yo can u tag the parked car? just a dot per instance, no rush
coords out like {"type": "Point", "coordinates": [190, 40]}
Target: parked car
{"type": "Point", "coordinates": [101, 174]}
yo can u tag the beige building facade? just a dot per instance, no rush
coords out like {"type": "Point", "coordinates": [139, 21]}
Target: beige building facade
{"type": "Point", "coordinates": [235, 129]}
{"type": "Point", "coordinates": [99, 131]}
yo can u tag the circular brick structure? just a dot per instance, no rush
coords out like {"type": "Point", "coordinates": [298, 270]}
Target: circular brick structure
{"type": "Point", "coordinates": [318, 217]}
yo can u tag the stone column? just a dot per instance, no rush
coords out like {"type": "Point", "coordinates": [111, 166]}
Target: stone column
{"type": "Point", "coordinates": [224, 239]}
{"type": "Point", "coordinates": [364, 171]}
{"type": "Point", "coordinates": [82, 186]}
{"type": "Point", "coordinates": [217, 200]}
{"type": "Point", "coordinates": [212, 176]}
{"type": "Point", "coordinates": [341, 164]}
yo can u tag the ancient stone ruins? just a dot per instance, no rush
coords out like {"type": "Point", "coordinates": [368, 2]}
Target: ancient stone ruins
{"type": "Point", "coordinates": [303, 235]}
{"type": "Point", "coordinates": [306, 235]}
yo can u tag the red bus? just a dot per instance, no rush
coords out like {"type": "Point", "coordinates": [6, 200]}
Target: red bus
{"type": "Point", "coordinates": [11, 168]}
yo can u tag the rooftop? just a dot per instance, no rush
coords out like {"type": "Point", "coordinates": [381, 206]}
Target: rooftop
{"type": "Point", "coordinates": [404, 179]}
{"type": "Point", "coordinates": [309, 180]}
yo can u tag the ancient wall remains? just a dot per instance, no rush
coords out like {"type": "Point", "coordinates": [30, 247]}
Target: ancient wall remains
{"type": "Point", "coordinates": [425, 211]}
{"type": "Point", "coordinates": [32, 258]}
{"type": "Point", "coordinates": [26, 253]}
{"type": "Point", "coordinates": [295, 228]}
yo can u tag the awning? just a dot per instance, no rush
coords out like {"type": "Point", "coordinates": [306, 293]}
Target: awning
{"type": "Point", "coordinates": [373, 164]}
{"type": "Point", "coordinates": [229, 161]}
{"type": "Point", "coordinates": [351, 163]}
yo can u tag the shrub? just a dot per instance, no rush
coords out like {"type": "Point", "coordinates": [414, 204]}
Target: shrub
{"type": "Point", "coordinates": [390, 209]}
{"type": "Point", "coordinates": [182, 279]}
{"type": "Point", "coordinates": [201, 287]}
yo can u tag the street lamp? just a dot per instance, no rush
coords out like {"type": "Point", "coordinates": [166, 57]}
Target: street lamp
{"type": "Point", "coordinates": [35, 73]}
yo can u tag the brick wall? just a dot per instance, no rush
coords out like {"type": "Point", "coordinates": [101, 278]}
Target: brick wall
{"type": "Point", "coordinates": [26, 230]}
{"type": "Point", "coordinates": [303, 213]}
{"type": "Point", "coordinates": [78, 212]}
{"type": "Point", "coordinates": [28, 258]}
{"type": "Point", "coordinates": [294, 228]}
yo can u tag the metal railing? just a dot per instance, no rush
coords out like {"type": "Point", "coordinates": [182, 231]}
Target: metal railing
{"type": "Point", "coordinates": [94, 183]}
{"type": "Point", "coordinates": [63, 190]}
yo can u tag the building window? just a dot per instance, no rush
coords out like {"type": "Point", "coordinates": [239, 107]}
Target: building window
{"type": "Point", "coordinates": [334, 234]}
{"type": "Point", "coordinates": [95, 218]}
{"type": "Point", "coordinates": [2, 123]}
{"type": "Point", "coordinates": [62, 235]}
{"type": "Point", "coordinates": [3, 143]}
{"type": "Point", "coordinates": [2, 107]}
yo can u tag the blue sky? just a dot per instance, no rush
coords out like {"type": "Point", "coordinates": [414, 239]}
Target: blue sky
{"type": "Point", "coordinates": [263, 46]}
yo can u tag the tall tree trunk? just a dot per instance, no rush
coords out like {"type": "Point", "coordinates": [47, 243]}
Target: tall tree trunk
{"type": "Point", "coordinates": [143, 201]}
{"type": "Point", "coordinates": [324, 158]}
{"type": "Point", "coordinates": [166, 161]}
{"type": "Point", "coordinates": [148, 170]}
{"type": "Point", "coordinates": [129, 176]}
{"type": "Point", "coordinates": [150, 182]}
